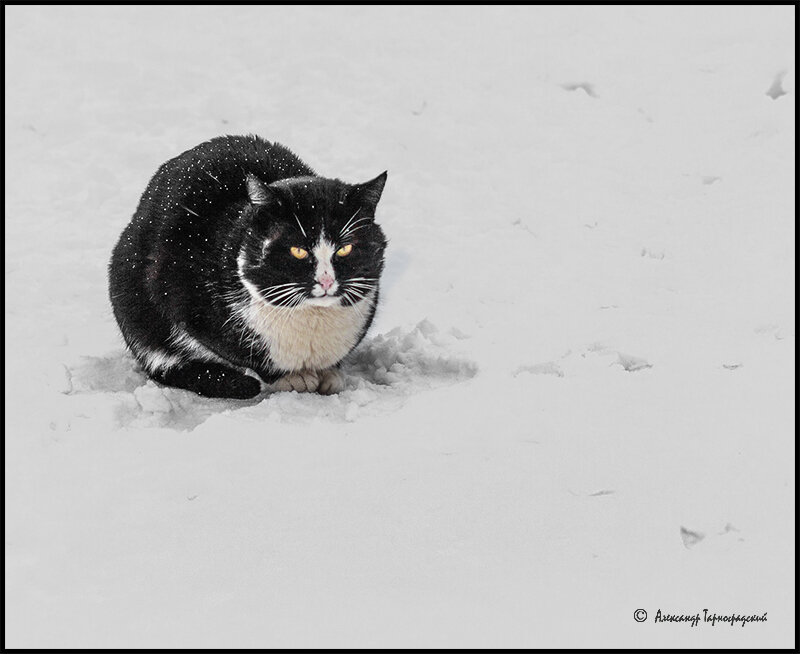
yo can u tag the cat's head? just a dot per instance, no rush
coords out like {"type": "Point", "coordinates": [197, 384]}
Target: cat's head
{"type": "Point", "coordinates": [312, 241]}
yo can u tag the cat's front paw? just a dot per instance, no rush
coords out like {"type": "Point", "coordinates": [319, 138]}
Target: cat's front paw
{"type": "Point", "coordinates": [330, 381]}
{"type": "Point", "coordinates": [302, 382]}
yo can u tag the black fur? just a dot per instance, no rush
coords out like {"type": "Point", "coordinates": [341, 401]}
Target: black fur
{"type": "Point", "coordinates": [176, 267]}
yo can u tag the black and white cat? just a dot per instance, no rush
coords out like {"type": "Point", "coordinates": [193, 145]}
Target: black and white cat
{"type": "Point", "coordinates": [241, 265]}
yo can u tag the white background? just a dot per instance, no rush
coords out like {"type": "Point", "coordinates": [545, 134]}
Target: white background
{"type": "Point", "coordinates": [586, 340]}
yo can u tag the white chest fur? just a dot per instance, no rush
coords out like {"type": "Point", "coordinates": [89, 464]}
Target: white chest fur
{"type": "Point", "coordinates": [309, 337]}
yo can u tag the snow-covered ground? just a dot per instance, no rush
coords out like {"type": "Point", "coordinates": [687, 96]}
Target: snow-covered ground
{"type": "Point", "coordinates": [576, 400]}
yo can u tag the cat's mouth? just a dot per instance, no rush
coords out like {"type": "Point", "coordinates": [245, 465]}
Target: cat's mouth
{"type": "Point", "coordinates": [325, 286]}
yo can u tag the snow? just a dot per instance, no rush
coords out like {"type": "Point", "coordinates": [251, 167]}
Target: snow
{"type": "Point", "coordinates": [577, 399]}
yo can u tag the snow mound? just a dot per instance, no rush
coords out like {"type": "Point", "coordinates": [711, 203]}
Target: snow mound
{"type": "Point", "coordinates": [117, 372]}
{"type": "Point", "coordinates": [548, 368]}
{"type": "Point", "coordinates": [595, 358]}
{"type": "Point", "coordinates": [690, 538]}
{"type": "Point", "coordinates": [583, 86]}
{"type": "Point", "coordinates": [379, 375]}
{"type": "Point", "coordinates": [776, 89]}
{"type": "Point", "coordinates": [631, 363]}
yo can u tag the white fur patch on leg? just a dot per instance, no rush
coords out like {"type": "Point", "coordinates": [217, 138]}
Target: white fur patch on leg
{"type": "Point", "coordinates": [193, 348]}
{"type": "Point", "coordinates": [302, 382]}
{"type": "Point", "coordinates": [155, 361]}
{"type": "Point", "coordinates": [252, 373]}
{"type": "Point", "coordinates": [330, 381]}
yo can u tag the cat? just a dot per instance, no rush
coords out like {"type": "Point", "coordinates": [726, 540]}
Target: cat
{"type": "Point", "coordinates": [242, 268]}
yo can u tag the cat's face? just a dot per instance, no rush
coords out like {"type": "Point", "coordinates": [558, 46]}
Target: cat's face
{"type": "Point", "coordinates": [312, 241]}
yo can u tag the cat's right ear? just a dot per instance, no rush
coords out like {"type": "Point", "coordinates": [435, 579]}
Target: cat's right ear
{"type": "Point", "coordinates": [257, 191]}
{"type": "Point", "coordinates": [369, 193]}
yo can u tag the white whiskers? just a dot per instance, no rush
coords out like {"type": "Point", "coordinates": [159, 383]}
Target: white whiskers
{"type": "Point", "coordinates": [299, 225]}
{"type": "Point", "coordinates": [347, 224]}
{"type": "Point", "coordinates": [279, 294]}
{"type": "Point", "coordinates": [354, 227]}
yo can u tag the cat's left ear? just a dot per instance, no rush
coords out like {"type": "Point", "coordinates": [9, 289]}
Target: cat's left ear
{"type": "Point", "coordinates": [369, 193]}
{"type": "Point", "coordinates": [257, 191]}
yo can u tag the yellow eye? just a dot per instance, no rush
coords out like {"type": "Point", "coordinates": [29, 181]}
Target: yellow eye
{"type": "Point", "coordinates": [298, 253]}
{"type": "Point", "coordinates": [344, 251]}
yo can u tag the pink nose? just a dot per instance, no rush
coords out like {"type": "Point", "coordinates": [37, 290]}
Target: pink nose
{"type": "Point", "coordinates": [326, 281]}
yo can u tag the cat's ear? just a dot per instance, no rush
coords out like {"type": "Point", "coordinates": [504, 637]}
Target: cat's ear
{"type": "Point", "coordinates": [369, 193]}
{"type": "Point", "coordinates": [257, 191]}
